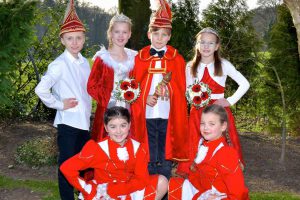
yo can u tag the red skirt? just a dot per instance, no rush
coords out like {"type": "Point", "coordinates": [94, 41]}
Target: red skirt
{"type": "Point", "coordinates": [175, 188]}
{"type": "Point", "coordinates": [150, 190]}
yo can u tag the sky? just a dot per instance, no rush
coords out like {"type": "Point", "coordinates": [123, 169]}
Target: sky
{"type": "Point", "coordinates": [107, 4]}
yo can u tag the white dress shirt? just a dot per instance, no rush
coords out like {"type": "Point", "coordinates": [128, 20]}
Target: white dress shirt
{"type": "Point", "coordinates": [67, 78]}
{"type": "Point", "coordinates": [228, 70]}
{"type": "Point", "coordinates": [162, 108]}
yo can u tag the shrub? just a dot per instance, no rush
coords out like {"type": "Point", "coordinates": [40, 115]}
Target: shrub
{"type": "Point", "coordinates": [38, 152]}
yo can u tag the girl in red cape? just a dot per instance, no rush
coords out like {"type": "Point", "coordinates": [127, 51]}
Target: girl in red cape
{"type": "Point", "coordinates": [110, 66]}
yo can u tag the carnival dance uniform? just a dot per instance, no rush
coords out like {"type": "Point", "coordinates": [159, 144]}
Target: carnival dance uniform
{"type": "Point", "coordinates": [105, 75]}
{"type": "Point", "coordinates": [119, 172]}
{"type": "Point", "coordinates": [216, 171]}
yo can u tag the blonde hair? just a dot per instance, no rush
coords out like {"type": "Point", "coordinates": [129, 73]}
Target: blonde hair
{"type": "Point", "coordinates": [118, 18]}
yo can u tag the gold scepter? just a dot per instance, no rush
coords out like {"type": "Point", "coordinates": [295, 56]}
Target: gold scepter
{"type": "Point", "coordinates": [166, 79]}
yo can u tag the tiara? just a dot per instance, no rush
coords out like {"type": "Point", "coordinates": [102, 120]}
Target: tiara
{"type": "Point", "coordinates": [209, 30]}
{"type": "Point", "coordinates": [120, 18]}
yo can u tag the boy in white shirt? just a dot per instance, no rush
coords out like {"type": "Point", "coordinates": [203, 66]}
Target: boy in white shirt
{"type": "Point", "coordinates": [67, 78]}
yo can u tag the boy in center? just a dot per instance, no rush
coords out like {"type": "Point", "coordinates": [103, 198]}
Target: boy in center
{"type": "Point", "coordinates": [160, 120]}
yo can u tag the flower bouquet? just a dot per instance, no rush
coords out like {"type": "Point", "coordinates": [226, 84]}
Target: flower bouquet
{"type": "Point", "coordinates": [198, 94]}
{"type": "Point", "coordinates": [128, 90]}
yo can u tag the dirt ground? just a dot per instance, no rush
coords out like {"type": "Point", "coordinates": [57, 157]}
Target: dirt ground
{"type": "Point", "coordinates": [263, 171]}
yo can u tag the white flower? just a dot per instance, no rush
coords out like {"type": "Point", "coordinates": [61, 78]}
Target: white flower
{"type": "Point", "coordinates": [203, 87]}
{"type": "Point", "coordinates": [202, 93]}
{"type": "Point", "coordinates": [123, 154]}
{"type": "Point", "coordinates": [127, 90]}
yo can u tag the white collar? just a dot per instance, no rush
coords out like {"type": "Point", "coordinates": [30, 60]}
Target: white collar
{"type": "Point", "coordinates": [70, 57]}
{"type": "Point", "coordinates": [107, 59]}
{"type": "Point", "coordinates": [207, 65]}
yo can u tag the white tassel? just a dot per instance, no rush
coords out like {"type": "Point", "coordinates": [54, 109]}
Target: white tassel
{"type": "Point", "coordinates": [154, 5]}
{"type": "Point", "coordinates": [123, 154]}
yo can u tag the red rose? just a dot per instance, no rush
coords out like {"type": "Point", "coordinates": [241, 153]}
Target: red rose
{"type": "Point", "coordinates": [125, 85]}
{"type": "Point", "coordinates": [204, 96]}
{"type": "Point", "coordinates": [197, 100]}
{"type": "Point", "coordinates": [196, 88]}
{"type": "Point", "coordinates": [128, 96]}
{"type": "Point", "coordinates": [134, 84]}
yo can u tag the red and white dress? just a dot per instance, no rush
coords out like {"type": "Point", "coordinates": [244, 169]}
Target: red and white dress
{"type": "Point", "coordinates": [216, 171]}
{"type": "Point", "coordinates": [106, 72]}
{"type": "Point", "coordinates": [205, 73]}
{"type": "Point", "coordinates": [119, 172]}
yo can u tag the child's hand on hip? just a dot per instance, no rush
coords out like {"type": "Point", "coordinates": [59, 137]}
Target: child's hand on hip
{"type": "Point", "coordinates": [222, 102]}
{"type": "Point", "coordinates": [70, 103]}
{"type": "Point", "coordinates": [151, 100]}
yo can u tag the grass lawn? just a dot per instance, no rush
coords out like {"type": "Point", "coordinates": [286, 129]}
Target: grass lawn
{"type": "Point", "coordinates": [50, 189]}
{"type": "Point", "coordinates": [274, 196]}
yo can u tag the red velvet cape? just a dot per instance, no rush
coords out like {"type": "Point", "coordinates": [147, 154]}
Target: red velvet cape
{"type": "Point", "coordinates": [177, 141]}
{"type": "Point", "coordinates": [100, 86]}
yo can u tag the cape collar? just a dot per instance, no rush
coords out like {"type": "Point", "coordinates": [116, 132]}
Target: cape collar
{"type": "Point", "coordinates": [209, 148]}
{"type": "Point", "coordinates": [110, 62]}
{"type": "Point", "coordinates": [215, 143]}
{"type": "Point", "coordinates": [144, 54]}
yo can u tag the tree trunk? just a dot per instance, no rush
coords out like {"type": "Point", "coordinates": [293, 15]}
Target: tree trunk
{"type": "Point", "coordinates": [294, 7]}
{"type": "Point", "coordinates": [139, 12]}
{"type": "Point", "coordinates": [283, 123]}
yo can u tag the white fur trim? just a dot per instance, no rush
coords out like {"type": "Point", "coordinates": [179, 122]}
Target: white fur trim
{"type": "Point", "coordinates": [107, 59]}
